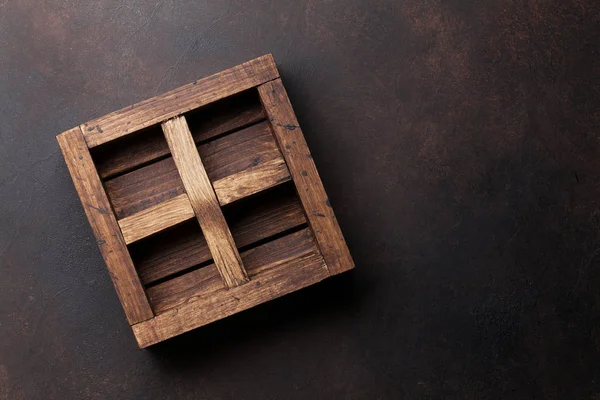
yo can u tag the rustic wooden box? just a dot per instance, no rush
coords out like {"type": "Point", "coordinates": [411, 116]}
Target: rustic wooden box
{"type": "Point", "coordinates": [205, 201]}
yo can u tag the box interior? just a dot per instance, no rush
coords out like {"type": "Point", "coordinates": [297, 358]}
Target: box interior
{"type": "Point", "coordinates": [252, 183]}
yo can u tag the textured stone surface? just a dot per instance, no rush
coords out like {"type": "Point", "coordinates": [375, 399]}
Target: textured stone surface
{"type": "Point", "coordinates": [466, 179]}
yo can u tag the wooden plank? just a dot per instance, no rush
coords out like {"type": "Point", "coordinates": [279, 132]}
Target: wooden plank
{"type": "Point", "coordinates": [156, 219]}
{"type": "Point", "coordinates": [183, 247]}
{"type": "Point", "coordinates": [239, 164]}
{"type": "Point", "coordinates": [204, 202]}
{"type": "Point", "coordinates": [226, 115]}
{"type": "Point", "coordinates": [291, 141]}
{"type": "Point", "coordinates": [104, 225]}
{"type": "Point", "coordinates": [267, 283]}
{"type": "Point", "coordinates": [251, 181]}
{"type": "Point", "coordinates": [180, 100]}
{"type": "Point", "coordinates": [205, 280]}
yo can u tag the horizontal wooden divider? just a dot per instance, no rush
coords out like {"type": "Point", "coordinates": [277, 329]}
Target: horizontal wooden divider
{"type": "Point", "coordinates": [204, 202]}
{"type": "Point", "coordinates": [157, 218]}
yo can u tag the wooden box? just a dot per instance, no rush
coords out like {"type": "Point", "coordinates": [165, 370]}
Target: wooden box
{"type": "Point", "coordinates": [205, 201]}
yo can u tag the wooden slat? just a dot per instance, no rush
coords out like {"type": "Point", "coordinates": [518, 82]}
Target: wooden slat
{"type": "Point", "coordinates": [305, 176]}
{"type": "Point", "coordinates": [244, 163]}
{"type": "Point", "coordinates": [180, 100]}
{"type": "Point", "coordinates": [204, 202]}
{"type": "Point", "coordinates": [251, 181]}
{"type": "Point", "coordinates": [239, 164]}
{"type": "Point", "coordinates": [269, 281]}
{"type": "Point", "coordinates": [149, 144]}
{"type": "Point", "coordinates": [205, 280]}
{"type": "Point", "coordinates": [156, 219]}
{"type": "Point", "coordinates": [170, 252]}
{"type": "Point", "coordinates": [105, 227]}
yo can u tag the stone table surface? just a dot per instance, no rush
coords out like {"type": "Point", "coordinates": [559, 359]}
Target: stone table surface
{"type": "Point", "coordinates": [459, 143]}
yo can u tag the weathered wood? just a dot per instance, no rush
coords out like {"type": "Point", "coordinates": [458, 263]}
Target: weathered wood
{"type": "Point", "coordinates": [183, 247]}
{"type": "Point", "coordinates": [179, 101]}
{"type": "Point", "coordinates": [137, 149]}
{"type": "Point", "coordinates": [156, 219]}
{"type": "Point", "coordinates": [269, 281]}
{"type": "Point", "coordinates": [204, 202]}
{"type": "Point", "coordinates": [143, 188]}
{"type": "Point", "coordinates": [291, 141]}
{"type": "Point", "coordinates": [251, 181]}
{"type": "Point", "coordinates": [239, 164]}
{"type": "Point", "coordinates": [169, 252]}
{"type": "Point", "coordinates": [104, 225]}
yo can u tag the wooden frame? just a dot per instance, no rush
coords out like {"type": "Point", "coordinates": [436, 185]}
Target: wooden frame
{"type": "Point", "coordinates": [205, 201]}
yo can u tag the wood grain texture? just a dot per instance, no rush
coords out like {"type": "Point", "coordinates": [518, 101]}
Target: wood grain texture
{"type": "Point", "coordinates": [270, 280]}
{"type": "Point", "coordinates": [204, 202]}
{"type": "Point", "coordinates": [250, 157]}
{"type": "Point", "coordinates": [143, 188]}
{"type": "Point", "coordinates": [244, 163]}
{"type": "Point", "coordinates": [169, 252]}
{"type": "Point", "coordinates": [142, 147]}
{"type": "Point", "coordinates": [105, 227]}
{"type": "Point", "coordinates": [180, 100]}
{"type": "Point", "coordinates": [251, 181]}
{"type": "Point", "coordinates": [318, 209]}
{"type": "Point", "coordinates": [184, 246]}
{"type": "Point", "coordinates": [156, 219]}
{"type": "Point", "coordinates": [203, 281]}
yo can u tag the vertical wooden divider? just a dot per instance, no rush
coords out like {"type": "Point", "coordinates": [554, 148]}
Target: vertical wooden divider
{"type": "Point", "coordinates": [204, 202]}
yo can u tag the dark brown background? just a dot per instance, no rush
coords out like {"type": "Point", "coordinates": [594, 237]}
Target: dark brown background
{"type": "Point", "coordinates": [459, 144]}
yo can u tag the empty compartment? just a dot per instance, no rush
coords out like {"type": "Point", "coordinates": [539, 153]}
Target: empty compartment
{"type": "Point", "coordinates": [224, 116]}
{"type": "Point", "coordinates": [170, 252]}
{"type": "Point", "coordinates": [265, 216]}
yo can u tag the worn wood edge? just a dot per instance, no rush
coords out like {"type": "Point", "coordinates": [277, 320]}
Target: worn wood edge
{"type": "Point", "coordinates": [204, 202]}
{"type": "Point", "coordinates": [155, 219]}
{"type": "Point", "coordinates": [305, 176]}
{"type": "Point", "coordinates": [108, 237]}
{"type": "Point", "coordinates": [154, 110]}
{"type": "Point", "coordinates": [266, 286]}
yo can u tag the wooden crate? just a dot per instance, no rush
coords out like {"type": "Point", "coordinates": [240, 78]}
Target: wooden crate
{"type": "Point", "coordinates": [205, 201]}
